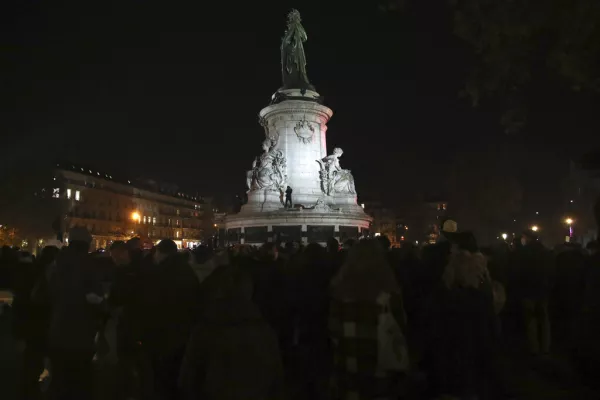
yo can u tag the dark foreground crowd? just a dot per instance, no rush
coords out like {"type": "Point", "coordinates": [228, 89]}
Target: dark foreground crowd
{"type": "Point", "coordinates": [359, 322]}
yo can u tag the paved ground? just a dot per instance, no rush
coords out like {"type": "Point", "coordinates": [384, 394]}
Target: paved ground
{"type": "Point", "coordinates": [547, 379]}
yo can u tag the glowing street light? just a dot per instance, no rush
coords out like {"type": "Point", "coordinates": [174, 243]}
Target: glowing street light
{"type": "Point", "coordinates": [135, 216]}
{"type": "Point", "coordinates": [535, 228]}
{"type": "Point", "coordinates": [504, 236]}
{"type": "Point", "coordinates": [569, 222]}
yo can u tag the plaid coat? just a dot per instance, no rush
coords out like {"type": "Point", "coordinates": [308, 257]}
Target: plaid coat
{"type": "Point", "coordinates": [353, 329]}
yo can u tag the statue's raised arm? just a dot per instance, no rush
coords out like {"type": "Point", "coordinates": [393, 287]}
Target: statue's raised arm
{"type": "Point", "coordinates": [293, 60]}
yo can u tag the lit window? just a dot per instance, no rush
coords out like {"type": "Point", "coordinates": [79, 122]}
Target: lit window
{"type": "Point", "coordinates": [154, 220]}
{"type": "Point", "coordinates": [144, 219]}
{"type": "Point", "coordinates": [56, 193]}
{"type": "Point", "coordinates": [177, 222]}
{"type": "Point", "coordinates": [169, 221]}
{"type": "Point", "coordinates": [444, 206]}
{"type": "Point", "coordinates": [68, 193]}
{"type": "Point", "coordinates": [77, 195]}
{"type": "Point", "coordinates": [177, 234]}
{"type": "Point", "coordinates": [177, 212]}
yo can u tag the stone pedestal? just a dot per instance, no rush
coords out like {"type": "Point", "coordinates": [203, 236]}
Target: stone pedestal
{"type": "Point", "coordinates": [295, 128]}
{"type": "Point", "coordinates": [300, 126]}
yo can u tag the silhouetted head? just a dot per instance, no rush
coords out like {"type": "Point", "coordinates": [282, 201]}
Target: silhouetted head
{"type": "Point", "coordinates": [164, 249]}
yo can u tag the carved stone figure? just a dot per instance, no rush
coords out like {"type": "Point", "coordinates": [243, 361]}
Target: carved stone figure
{"type": "Point", "coordinates": [334, 179]}
{"type": "Point", "coordinates": [293, 60]}
{"type": "Point", "coordinates": [321, 206]}
{"type": "Point", "coordinates": [268, 170]}
{"type": "Point", "coordinates": [304, 130]}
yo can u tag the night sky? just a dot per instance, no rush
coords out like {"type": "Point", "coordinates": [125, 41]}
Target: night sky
{"type": "Point", "coordinates": [173, 91]}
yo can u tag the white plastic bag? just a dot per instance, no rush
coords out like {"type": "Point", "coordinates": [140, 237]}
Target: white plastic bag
{"type": "Point", "coordinates": [392, 352]}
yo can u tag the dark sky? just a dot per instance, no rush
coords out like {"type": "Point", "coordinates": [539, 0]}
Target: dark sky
{"type": "Point", "coordinates": [172, 90]}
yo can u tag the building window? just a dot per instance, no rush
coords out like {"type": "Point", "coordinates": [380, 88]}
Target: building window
{"type": "Point", "coordinates": [169, 222]}
{"type": "Point", "coordinates": [68, 193]}
{"type": "Point", "coordinates": [153, 220]}
{"type": "Point", "coordinates": [77, 195]}
{"type": "Point", "coordinates": [56, 193]}
{"type": "Point", "coordinates": [177, 212]}
{"type": "Point", "coordinates": [177, 234]}
{"type": "Point", "coordinates": [144, 219]}
{"type": "Point", "coordinates": [177, 222]}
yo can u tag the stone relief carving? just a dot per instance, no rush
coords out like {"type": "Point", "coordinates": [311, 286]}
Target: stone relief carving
{"type": "Point", "coordinates": [334, 179]}
{"type": "Point", "coordinates": [269, 170]}
{"type": "Point", "coordinates": [269, 133]}
{"type": "Point", "coordinates": [321, 206]}
{"type": "Point", "coordinates": [304, 130]}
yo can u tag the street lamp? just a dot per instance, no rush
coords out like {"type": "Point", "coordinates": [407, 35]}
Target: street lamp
{"type": "Point", "coordinates": [569, 222]}
{"type": "Point", "coordinates": [135, 216]}
{"type": "Point", "coordinates": [535, 228]}
{"type": "Point", "coordinates": [504, 236]}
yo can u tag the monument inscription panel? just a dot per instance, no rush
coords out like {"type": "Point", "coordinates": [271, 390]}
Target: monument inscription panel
{"type": "Point", "coordinates": [256, 234]}
{"type": "Point", "coordinates": [287, 233]}
{"type": "Point", "coordinates": [348, 232]}
{"type": "Point", "coordinates": [319, 233]}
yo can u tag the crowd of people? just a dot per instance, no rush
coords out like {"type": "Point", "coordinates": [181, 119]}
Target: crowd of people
{"type": "Point", "coordinates": [287, 321]}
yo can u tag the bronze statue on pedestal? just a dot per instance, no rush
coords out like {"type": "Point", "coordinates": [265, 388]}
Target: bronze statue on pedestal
{"type": "Point", "coordinates": [293, 59]}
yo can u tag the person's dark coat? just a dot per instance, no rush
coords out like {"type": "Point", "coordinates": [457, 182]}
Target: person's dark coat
{"type": "Point", "coordinates": [74, 321]}
{"type": "Point", "coordinates": [232, 353]}
{"type": "Point", "coordinates": [534, 271]}
{"type": "Point", "coordinates": [165, 306]}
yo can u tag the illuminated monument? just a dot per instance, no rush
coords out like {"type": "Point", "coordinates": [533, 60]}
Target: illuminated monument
{"type": "Point", "coordinates": [294, 156]}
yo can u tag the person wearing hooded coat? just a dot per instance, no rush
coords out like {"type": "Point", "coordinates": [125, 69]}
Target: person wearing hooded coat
{"type": "Point", "coordinates": [232, 353]}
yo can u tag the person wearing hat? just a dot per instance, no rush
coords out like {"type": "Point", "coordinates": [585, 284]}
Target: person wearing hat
{"type": "Point", "coordinates": [73, 323]}
{"type": "Point", "coordinates": [449, 228]}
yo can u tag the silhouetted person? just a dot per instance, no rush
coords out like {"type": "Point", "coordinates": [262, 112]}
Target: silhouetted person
{"type": "Point", "coordinates": [232, 353]}
{"type": "Point", "coordinates": [73, 324]}
{"type": "Point", "coordinates": [166, 302]}
{"type": "Point", "coordinates": [534, 282]}
{"type": "Point", "coordinates": [288, 196]}
{"type": "Point", "coordinates": [31, 315]}
{"type": "Point", "coordinates": [120, 302]}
